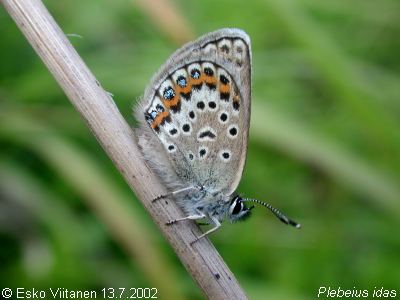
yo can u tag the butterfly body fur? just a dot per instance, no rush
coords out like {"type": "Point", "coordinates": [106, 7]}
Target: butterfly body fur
{"type": "Point", "coordinates": [194, 121]}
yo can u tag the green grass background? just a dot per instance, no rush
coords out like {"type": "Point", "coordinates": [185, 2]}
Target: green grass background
{"type": "Point", "coordinates": [324, 147]}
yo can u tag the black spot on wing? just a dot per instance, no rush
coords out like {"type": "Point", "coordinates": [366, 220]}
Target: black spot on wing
{"type": "Point", "coordinates": [233, 131]}
{"type": "Point", "coordinates": [195, 73]}
{"type": "Point", "coordinates": [224, 80]}
{"type": "Point", "coordinates": [211, 86]}
{"type": "Point", "coordinates": [225, 155]}
{"type": "Point", "coordinates": [159, 107]}
{"type": "Point", "coordinates": [208, 72]}
{"type": "Point", "coordinates": [186, 96]}
{"type": "Point", "coordinates": [224, 96]}
{"type": "Point", "coordinates": [173, 131]}
{"type": "Point", "coordinates": [206, 133]}
{"type": "Point", "coordinates": [200, 105]}
{"type": "Point", "coordinates": [202, 152]}
{"type": "Point", "coordinates": [176, 108]}
{"type": "Point", "coordinates": [223, 117]}
{"type": "Point", "coordinates": [197, 86]}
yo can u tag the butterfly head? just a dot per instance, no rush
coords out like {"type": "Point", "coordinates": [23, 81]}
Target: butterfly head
{"type": "Point", "coordinates": [238, 210]}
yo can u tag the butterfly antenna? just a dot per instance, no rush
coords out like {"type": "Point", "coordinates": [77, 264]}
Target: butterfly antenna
{"type": "Point", "coordinates": [275, 211]}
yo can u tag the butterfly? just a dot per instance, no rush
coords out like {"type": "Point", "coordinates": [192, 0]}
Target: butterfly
{"type": "Point", "coordinates": [194, 127]}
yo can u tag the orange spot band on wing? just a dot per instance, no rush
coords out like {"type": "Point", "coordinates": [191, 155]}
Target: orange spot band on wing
{"type": "Point", "coordinates": [159, 119]}
{"type": "Point", "coordinates": [211, 80]}
{"type": "Point", "coordinates": [224, 88]}
{"type": "Point", "coordinates": [194, 81]}
{"type": "Point", "coordinates": [171, 102]}
{"type": "Point", "coordinates": [184, 90]}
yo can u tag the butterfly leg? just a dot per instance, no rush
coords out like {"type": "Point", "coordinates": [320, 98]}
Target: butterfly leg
{"type": "Point", "coordinates": [217, 225]}
{"type": "Point", "coordinates": [190, 217]}
{"type": "Point", "coordinates": [200, 188]}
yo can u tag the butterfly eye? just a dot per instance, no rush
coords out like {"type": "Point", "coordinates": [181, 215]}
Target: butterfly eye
{"type": "Point", "coordinates": [238, 211]}
{"type": "Point", "coordinates": [238, 208]}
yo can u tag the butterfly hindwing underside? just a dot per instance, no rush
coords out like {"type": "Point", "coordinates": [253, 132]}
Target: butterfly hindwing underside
{"type": "Point", "coordinates": [195, 113]}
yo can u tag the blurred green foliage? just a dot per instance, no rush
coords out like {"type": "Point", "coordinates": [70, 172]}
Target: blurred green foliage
{"type": "Point", "coordinates": [324, 147]}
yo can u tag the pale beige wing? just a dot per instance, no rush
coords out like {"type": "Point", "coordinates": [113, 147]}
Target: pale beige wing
{"type": "Point", "coordinates": [198, 107]}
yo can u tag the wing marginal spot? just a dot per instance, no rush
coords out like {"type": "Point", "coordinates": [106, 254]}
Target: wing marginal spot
{"type": "Point", "coordinates": [224, 87]}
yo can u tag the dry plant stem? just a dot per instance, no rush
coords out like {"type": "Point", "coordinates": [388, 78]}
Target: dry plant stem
{"type": "Point", "coordinates": [103, 118]}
